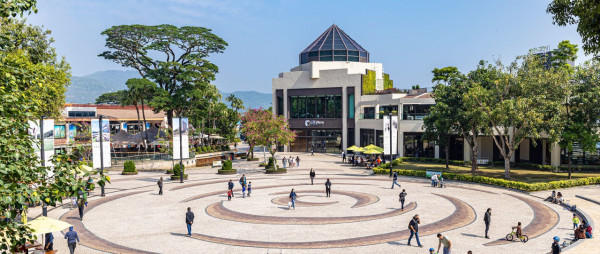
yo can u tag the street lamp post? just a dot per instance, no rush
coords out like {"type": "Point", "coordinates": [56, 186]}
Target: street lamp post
{"type": "Point", "coordinates": [180, 151]}
{"type": "Point", "coordinates": [101, 154]}
{"type": "Point", "coordinates": [43, 157]}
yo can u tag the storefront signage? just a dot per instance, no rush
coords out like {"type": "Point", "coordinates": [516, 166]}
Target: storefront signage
{"type": "Point", "coordinates": [309, 123]}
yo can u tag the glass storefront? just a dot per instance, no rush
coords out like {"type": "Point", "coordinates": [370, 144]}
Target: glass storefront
{"type": "Point", "coordinates": [317, 106]}
{"type": "Point", "coordinates": [322, 141]}
{"type": "Point", "coordinates": [416, 146]}
{"type": "Point", "coordinates": [581, 157]}
{"type": "Point", "coordinates": [415, 111]}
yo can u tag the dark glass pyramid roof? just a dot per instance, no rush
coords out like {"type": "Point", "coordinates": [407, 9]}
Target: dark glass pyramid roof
{"type": "Point", "coordinates": [334, 45]}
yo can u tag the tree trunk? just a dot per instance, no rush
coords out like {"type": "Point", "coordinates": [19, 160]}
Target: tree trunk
{"type": "Point", "coordinates": [507, 167]}
{"type": "Point", "coordinates": [144, 127]}
{"type": "Point", "coordinates": [570, 169]}
{"type": "Point", "coordinates": [447, 152]}
{"type": "Point", "coordinates": [139, 121]}
{"type": "Point", "coordinates": [170, 118]}
{"type": "Point", "coordinates": [474, 155]}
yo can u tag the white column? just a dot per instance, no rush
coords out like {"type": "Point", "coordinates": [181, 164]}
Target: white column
{"type": "Point", "coordinates": [286, 114]}
{"type": "Point", "coordinates": [344, 119]}
{"type": "Point", "coordinates": [555, 155]}
{"type": "Point", "coordinates": [400, 143]}
{"type": "Point", "coordinates": [437, 152]}
{"type": "Point", "coordinates": [466, 151]}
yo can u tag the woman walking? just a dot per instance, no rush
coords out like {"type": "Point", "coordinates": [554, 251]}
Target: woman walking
{"type": "Point", "coordinates": [312, 176]}
{"type": "Point", "coordinates": [160, 185]}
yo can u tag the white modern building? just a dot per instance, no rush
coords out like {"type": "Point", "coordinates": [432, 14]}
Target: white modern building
{"type": "Point", "coordinates": [336, 98]}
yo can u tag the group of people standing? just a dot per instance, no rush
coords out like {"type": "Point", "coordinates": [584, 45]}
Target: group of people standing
{"type": "Point", "coordinates": [291, 162]}
{"type": "Point", "coordinates": [246, 186]}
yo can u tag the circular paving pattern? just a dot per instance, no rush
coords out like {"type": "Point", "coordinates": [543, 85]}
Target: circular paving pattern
{"type": "Point", "coordinates": [362, 215]}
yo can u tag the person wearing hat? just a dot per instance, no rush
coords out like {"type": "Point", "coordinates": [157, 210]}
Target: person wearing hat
{"type": "Point", "coordinates": [431, 251]}
{"type": "Point", "coordinates": [556, 246]}
{"type": "Point", "coordinates": [72, 239]}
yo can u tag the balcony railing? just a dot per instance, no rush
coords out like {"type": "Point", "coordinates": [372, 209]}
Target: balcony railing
{"type": "Point", "coordinates": [413, 116]}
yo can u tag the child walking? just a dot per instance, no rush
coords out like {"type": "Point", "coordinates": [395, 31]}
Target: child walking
{"type": "Point", "coordinates": [229, 195]}
{"type": "Point", "coordinates": [243, 191]}
{"type": "Point", "coordinates": [249, 188]}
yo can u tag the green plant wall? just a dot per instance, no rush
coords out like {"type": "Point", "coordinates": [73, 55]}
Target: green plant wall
{"type": "Point", "coordinates": [368, 82]}
{"type": "Point", "coordinates": [387, 82]}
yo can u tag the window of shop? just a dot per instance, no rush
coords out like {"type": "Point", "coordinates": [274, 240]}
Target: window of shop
{"type": "Point", "coordinates": [581, 157]}
{"type": "Point", "coordinates": [369, 113]}
{"type": "Point", "coordinates": [321, 141]}
{"type": "Point", "coordinates": [367, 137]}
{"type": "Point", "coordinates": [415, 111]}
{"type": "Point", "coordinates": [416, 146]}
{"type": "Point", "coordinates": [320, 106]}
{"type": "Point", "coordinates": [279, 105]}
{"type": "Point", "coordinates": [59, 131]}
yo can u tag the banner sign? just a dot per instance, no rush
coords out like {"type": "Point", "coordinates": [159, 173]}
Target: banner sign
{"type": "Point", "coordinates": [101, 131]}
{"type": "Point", "coordinates": [34, 131]}
{"type": "Point", "coordinates": [390, 123]}
{"type": "Point", "coordinates": [184, 142]}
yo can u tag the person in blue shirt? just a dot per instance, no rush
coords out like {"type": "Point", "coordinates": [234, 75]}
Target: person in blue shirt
{"type": "Point", "coordinates": [293, 198]}
{"type": "Point", "coordinates": [395, 180]}
{"type": "Point", "coordinates": [49, 245]}
{"type": "Point", "coordinates": [249, 188]}
{"type": "Point", "coordinates": [230, 186]}
{"type": "Point", "coordinates": [72, 239]}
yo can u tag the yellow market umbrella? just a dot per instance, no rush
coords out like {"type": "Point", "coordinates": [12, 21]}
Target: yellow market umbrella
{"type": "Point", "coordinates": [372, 151]}
{"type": "Point", "coordinates": [352, 148]}
{"type": "Point", "coordinates": [374, 147]}
{"type": "Point", "coordinates": [42, 225]}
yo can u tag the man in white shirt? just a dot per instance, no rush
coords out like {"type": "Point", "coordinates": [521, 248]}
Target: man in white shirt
{"type": "Point", "coordinates": [434, 180]}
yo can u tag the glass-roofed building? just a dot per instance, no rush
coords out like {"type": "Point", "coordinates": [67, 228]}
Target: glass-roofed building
{"type": "Point", "coordinates": [334, 45]}
{"type": "Point", "coordinates": [336, 97]}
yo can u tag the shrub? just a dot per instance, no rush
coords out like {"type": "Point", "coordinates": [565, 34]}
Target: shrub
{"type": "Point", "coordinates": [499, 182]}
{"type": "Point", "coordinates": [276, 170]}
{"type": "Point", "coordinates": [226, 165]}
{"type": "Point", "coordinates": [176, 169]}
{"type": "Point", "coordinates": [252, 159]}
{"type": "Point", "coordinates": [129, 167]}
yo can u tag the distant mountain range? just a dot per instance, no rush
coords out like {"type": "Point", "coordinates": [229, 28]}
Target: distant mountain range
{"type": "Point", "coordinates": [86, 89]}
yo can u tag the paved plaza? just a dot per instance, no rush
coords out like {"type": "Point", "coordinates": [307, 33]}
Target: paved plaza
{"type": "Point", "coordinates": [362, 215]}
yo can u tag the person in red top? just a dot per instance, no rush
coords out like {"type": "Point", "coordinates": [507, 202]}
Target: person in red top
{"type": "Point", "coordinates": [588, 231]}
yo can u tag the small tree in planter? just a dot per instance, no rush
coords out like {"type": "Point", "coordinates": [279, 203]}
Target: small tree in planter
{"type": "Point", "coordinates": [129, 168]}
{"type": "Point", "coordinates": [261, 127]}
{"type": "Point", "coordinates": [227, 168]}
{"type": "Point", "coordinates": [177, 173]}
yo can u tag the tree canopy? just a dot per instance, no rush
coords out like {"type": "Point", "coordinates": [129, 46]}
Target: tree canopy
{"type": "Point", "coordinates": [184, 69]}
{"type": "Point", "coordinates": [116, 98]}
{"type": "Point", "coordinates": [585, 14]}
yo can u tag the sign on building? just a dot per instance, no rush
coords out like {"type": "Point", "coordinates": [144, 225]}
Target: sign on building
{"type": "Point", "coordinates": [101, 131]}
{"type": "Point", "coordinates": [184, 141]}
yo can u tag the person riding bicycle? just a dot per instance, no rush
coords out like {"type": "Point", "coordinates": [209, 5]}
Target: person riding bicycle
{"type": "Point", "coordinates": [519, 231]}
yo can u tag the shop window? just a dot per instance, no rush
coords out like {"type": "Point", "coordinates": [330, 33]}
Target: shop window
{"type": "Point", "coordinates": [415, 111]}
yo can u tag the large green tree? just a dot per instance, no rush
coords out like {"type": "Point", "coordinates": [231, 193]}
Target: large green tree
{"type": "Point", "coordinates": [175, 58]}
{"type": "Point", "coordinates": [519, 101]}
{"type": "Point", "coordinates": [12, 8]}
{"type": "Point", "coordinates": [112, 97]}
{"type": "Point", "coordinates": [585, 14]}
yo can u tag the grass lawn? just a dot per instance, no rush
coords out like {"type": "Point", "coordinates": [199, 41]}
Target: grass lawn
{"type": "Point", "coordinates": [519, 175]}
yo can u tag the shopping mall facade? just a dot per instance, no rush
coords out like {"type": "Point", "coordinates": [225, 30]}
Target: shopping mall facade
{"type": "Point", "coordinates": [337, 98]}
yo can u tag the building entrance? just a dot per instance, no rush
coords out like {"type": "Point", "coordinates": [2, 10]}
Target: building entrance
{"type": "Point", "coordinates": [322, 141]}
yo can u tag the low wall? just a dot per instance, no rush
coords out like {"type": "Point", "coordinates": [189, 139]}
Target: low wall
{"type": "Point", "coordinates": [207, 159]}
{"type": "Point", "coordinates": [155, 165]}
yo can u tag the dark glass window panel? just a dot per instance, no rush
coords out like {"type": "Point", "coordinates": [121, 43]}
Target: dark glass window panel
{"type": "Point", "coordinates": [369, 113]}
{"type": "Point", "coordinates": [310, 59]}
{"type": "Point", "coordinates": [330, 106]}
{"type": "Point", "coordinates": [338, 107]}
{"type": "Point", "coordinates": [351, 106]}
{"type": "Point", "coordinates": [339, 46]}
{"type": "Point", "coordinates": [339, 52]}
{"type": "Point", "coordinates": [320, 107]}
{"type": "Point", "coordinates": [353, 58]}
{"type": "Point", "coordinates": [302, 107]}
{"type": "Point", "coordinates": [325, 58]}
{"type": "Point", "coordinates": [313, 53]}
{"type": "Point", "coordinates": [303, 58]}
{"type": "Point", "coordinates": [327, 46]}
{"type": "Point", "coordinates": [340, 58]}
{"type": "Point", "coordinates": [310, 107]}
{"type": "Point", "coordinates": [353, 53]}
{"type": "Point", "coordinates": [326, 53]}
{"type": "Point", "coordinates": [363, 54]}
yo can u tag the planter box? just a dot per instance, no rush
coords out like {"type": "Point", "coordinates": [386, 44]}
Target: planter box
{"type": "Point", "coordinates": [174, 177]}
{"type": "Point", "coordinates": [278, 171]}
{"type": "Point", "coordinates": [227, 172]}
{"type": "Point", "coordinates": [129, 173]}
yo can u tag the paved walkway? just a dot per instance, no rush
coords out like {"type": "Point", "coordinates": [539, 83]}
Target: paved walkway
{"type": "Point", "coordinates": [362, 215]}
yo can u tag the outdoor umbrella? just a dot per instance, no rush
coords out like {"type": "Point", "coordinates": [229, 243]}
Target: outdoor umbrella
{"type": "Point", "coordinates": [374, 147]}
{"type": "Point", "coordinates": [352, 148]}
{"type": "Point", "coordinates": [42, 225]}
{"type": "Point", "coordinates": [372, 151]}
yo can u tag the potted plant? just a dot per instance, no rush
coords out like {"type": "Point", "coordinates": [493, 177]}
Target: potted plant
{"type": "Point", "coordinates": [227, 168]}
{"type": "Point", "coordinates": [129, 168]}
{"type": "Point", "coordinates": [177, 173]}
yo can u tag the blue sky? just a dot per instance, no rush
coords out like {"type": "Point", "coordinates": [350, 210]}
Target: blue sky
{"type": "Point", "coordinates": [410, 38]}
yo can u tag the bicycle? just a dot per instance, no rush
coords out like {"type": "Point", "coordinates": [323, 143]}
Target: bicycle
{"type": "Point", "coordinates": [513, 235]}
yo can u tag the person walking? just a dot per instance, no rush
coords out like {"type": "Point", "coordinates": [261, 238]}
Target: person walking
{"type": "Point", "coordinates": [413, 226]}
{"type": "Point", "coordinates": [230, 186]}
{"type": "Point", "coordinates": [312, 176]}
{"type": "Point", "coordinates": [328, 188]}
{"type": "Point", "coordinates": [395, 180]}
{"type": "Point", "coordinates": [487, 218]}
{"type": "Point", "coordinates": [81, 200]}
{"type": "Point", "coordinates": [433, 180]}
{"type": "Point", "coordinates": [312, 152]}
{"type": "Point", "coordinates": [297, 161]}
{"type": "Point", "coordinates": [229, 192]}
{"type": "Point", "coordinates": [243, 191]}
{"type": "Point", "coordinates": [189, 220]}
{"type": "Point", "coordinates": [556, 246]}
{"type": "Point", "coordinates": [284, 161]}
{"type": "Point", "coordinates": [249, 188]}
{"type": "Point", "coordinates": [343, 156]}
{"type": "Point", "coordinates": [49, 245]}
{"type": "Point", "coordinates": [402, 198]}
{"type": "Point", "coordinates": [160, 185]}
{"type": "Point", "coordinates": [293, 198]}
{"type": "Point", "coordinates": [444, 241]}
{"type": "Point", "coordinates": [72, 239]}
{"type": "Point", "coordinates": [243, 180]}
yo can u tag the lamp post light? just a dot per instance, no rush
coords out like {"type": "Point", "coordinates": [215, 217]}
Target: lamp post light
{"type": "Point", "coordinates": [101, 155]}
{"type": "Point", "coordinates": [180, 151]}
{"type": "Point", "coordinates": [43, 157]}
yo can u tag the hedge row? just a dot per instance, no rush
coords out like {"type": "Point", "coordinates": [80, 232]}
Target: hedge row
{"type": "Point", "coordinates": [210, 149]}
{"type": "Point", "coordinates": [434, 160]}
{"type": "Point", "coordinates": [500, 182]}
